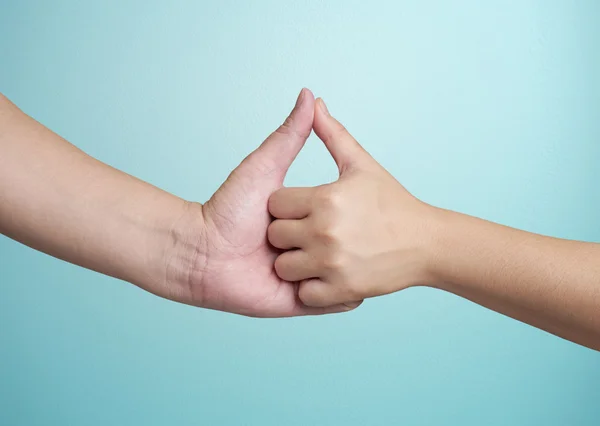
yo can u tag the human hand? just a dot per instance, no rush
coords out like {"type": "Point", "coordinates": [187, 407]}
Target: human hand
{"type": "Point", "coordinates": [227, 262]}
{"type": "Point", "coordinates": [361, 236]}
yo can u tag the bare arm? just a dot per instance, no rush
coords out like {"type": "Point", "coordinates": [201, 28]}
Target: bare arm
{"type": "Point", "coordinates": [550, 283]}
{"type": "Point", "coordinates": [57, 199]}
{"type": "Point", "coordinates": [366, 235]}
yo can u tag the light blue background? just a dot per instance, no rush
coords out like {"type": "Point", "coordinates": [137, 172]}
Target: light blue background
{"type": "Point", "coordinates": [486, 107]}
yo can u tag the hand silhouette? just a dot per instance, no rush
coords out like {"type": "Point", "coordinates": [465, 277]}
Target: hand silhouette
{"type": "Point", "coordinates": [233, 265]}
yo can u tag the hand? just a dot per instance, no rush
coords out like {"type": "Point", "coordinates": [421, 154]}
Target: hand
{"type": "Point", "coordinates": [361, 236]}
{"type": "Point", "coordinates": [232, 268]}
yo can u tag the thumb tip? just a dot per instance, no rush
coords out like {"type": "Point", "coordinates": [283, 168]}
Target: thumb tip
{"type": "Point", "coordinates": [322, 107]}
{"type": "Point", "coordinates": [304, 104]}
{"type": "Point", "coordinates": [304, 95]}
{"type": "Point", "coordinates": [300, 120]}
{"type": "Point", "coordinates": [323, 121]}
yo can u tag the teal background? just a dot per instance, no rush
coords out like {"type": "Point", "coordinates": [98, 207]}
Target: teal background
{"type": "Point", "coordinates": [490, 108]}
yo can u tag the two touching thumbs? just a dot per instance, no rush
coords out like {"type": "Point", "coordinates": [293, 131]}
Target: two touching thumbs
{"type": "Point", "coordinates": [308, 220]}
{"type": "Point", "coordinates": [276, 154]}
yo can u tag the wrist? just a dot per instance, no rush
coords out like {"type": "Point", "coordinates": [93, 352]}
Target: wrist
{"type": "Point", "coordinates": [421, 241]}
{"type": "Point", "coordinates": [433, 244]}
{"type": "Point", "coordinates": [174, 251]}
{"type": "Point", "coordinates": [185, 254]}
{"type": "Point", "coordinates": [452, 244]}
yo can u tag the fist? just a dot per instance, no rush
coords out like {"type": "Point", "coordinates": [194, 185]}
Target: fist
{"type": "Point", "coordinates": [362, 236]}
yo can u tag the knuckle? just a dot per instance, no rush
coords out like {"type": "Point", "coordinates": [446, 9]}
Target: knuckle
{"type": "Point", "coordinates": [328, 234]}
{"type": "Point", "coordinates": [261, 164]}
{"type": "Point", "coordinates": [339, 130]}
{"type": "Point", "coordinates": [289, 128]}
{"type": "Point", "coordinates": [330, 197]}
{"type": "Point", "coordinates": [266, 168]}
{"type": "Point", "coordinates": [334, 262]}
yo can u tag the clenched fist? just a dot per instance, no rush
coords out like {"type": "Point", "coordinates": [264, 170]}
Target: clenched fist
{"type": "Point", "coordinates": [364, 235]}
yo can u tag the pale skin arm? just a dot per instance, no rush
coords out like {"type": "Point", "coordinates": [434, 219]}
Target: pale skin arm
{"type": "Point", "coordinates": [57, 199]}
{"type": "Point", "coordinates": [366, 235]}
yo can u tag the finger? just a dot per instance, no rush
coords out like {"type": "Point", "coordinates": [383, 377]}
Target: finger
{"type": "Point", "coordinates": [317, 293]}
{"type": "Point", "coordinates": [295, 265]}
{"type": "Point", "coordinates": [286, 303]}
{"type": "Point", "coordinates": [344, 149]}
{"type": "Point", "coordinates": [302, 309]}
{"type": "Point", "coordinates": [287, 234]}
{"type": "Point", "coordinates": [291, 203]}
{"type": "Point", "coordinates": [279, 150]}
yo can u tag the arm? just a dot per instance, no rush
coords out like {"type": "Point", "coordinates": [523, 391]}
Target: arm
{"type": "Point", "coordinates": [550, 283]}
{"type": "Point", "coordinates": [55, 198]}
{"type": "Point", "coordinates": [365, 235]}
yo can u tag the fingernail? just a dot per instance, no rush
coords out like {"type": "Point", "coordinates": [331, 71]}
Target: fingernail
{"type": "Point", "coordinates": [324, 107]}
{"type": "Point", "coordinates": [300, 98]}
{"type": "Point", "coordinates": [353, 305]}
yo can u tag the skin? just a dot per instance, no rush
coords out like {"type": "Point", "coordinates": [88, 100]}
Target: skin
{"type": "Point", "coordinates": [328, 249]}
{"type": "Point", "coordinates": [365, 235]}
{"type": "Point", "coordinates": [57, 199]}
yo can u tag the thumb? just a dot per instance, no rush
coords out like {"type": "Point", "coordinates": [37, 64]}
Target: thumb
{"type": "Point", "coordinates": [344, 149]}
{"type": "Point", "coordinates": [278, 151]}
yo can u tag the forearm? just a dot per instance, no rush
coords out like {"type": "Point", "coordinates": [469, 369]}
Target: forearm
{"type": "Point", "coordinates": [57, 199]}
{"type": "Point", "coordinates": [549, 283]}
